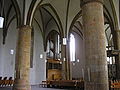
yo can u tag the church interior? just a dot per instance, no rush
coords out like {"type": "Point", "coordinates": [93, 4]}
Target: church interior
{"type": "Point", "coordinates": [60, 44]}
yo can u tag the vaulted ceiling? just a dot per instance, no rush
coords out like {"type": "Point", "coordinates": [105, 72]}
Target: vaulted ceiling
{"type": "Point", "coordinates": [59, 15]}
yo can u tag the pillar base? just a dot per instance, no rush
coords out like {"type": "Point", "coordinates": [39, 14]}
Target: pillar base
{"type": "Point", "coordinates": [21, 84]}
{"type": "Point", "coordinates": [95, 86]}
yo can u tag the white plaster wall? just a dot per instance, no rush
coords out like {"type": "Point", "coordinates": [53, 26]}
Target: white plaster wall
{"type": "Point", "coordinates": [38, 72]}
{"type": "Point", "coordinates": [1, 61]}
{"type": "Point", "coordinates": [78, 66]}
{"type": "Point", "coordinates": [7, 60]}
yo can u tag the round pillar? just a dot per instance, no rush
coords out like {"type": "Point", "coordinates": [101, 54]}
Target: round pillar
{"type": "Point", "coordinates": [22, 66]}
{"type": "Point", "coordinates": [64, 62]}
{"type": "Point", "coordinates": [117, 47]}
{"type": "Point", "coordinates": [96, 71]}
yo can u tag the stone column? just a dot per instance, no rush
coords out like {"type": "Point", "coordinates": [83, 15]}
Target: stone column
{"type": "Point", "coordinates": [96, 73]}
{"type": "Point", "coordinates": [64, 68]}
{"type": "Point", "coordinates": [117, 47]}
{"type": "Point", "coordinates": [66, 62]}
{"type": "Point", "coordinates": [22, 66]}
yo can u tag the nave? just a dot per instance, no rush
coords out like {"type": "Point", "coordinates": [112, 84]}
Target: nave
{"type": "Point", "coordinates": [60, 41]}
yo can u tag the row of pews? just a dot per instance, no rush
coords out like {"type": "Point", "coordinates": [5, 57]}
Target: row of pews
{"type": "Point", "coordinates": [6, 81]}
{"type": "Point", "coordinates": [75, 84]}
{"type": "Point", "coordinates": [63, 83]}
{"type": "Point", "coordinates": [115, 84]}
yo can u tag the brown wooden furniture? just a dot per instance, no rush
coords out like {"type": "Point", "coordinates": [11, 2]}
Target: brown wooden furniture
{"type": "Point", "coordinates": [65, 83]}
{"type": "Point", "coordinates": [10, 82]}
{"type": "Point", "coordinates": [44, 84]}
{"type": "Point", "coordinates": [54, 74]}
{"type": "Point", "coordinates": [6, 82]}
{"type": "Point", "coordinates": [54, 69]}
{"type": "Point", "coordinates": [115, 84]}
{"type": "Point", "coordinates": [0, 81]}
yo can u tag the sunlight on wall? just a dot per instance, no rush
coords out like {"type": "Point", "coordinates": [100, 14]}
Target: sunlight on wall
{"type": "Point", "coordinates": [1, 22]}
{"type": "Point", "coordinates": [72, 47]}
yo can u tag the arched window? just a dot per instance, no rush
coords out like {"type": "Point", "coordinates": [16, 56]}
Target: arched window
{"type": "Point", "coordinates": [72, 47]}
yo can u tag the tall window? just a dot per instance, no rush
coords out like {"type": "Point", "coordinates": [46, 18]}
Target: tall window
{"type": "Point", "coordinates": [58, 44]}
{"type": "Point", "coordinates": [72, 47]}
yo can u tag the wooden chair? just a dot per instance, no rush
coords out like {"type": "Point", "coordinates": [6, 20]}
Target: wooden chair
{"type": "Point", "coordinates": [115, 84]}
{"type": "Point", "coordinates": [4, 81]}
{"type": "Point", "coordinates": [44, 83]}
{"type": "Point", "coordinates": [10, 81]}
{"type": "Point", "coordinates": [0, 81]}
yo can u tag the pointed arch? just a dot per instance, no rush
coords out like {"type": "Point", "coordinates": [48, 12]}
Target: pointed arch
{"type": "Point", "coordinates": [45, 47]}
{"type": "Point", "coordinates": [31, 13]}
{"type": "Point", "coordinates": [18, 13]}
{"type": "Point", "coordinates": [75, 19]}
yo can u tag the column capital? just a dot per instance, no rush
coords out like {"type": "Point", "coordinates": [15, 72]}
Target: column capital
{"type": "Point", "coordinates": [83, 2]}
{"type": "Point", "coordinates": [25, 27]}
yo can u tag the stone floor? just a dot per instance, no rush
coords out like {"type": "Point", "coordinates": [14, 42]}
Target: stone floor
{"type": "Point", "coordinates": [35, 88]}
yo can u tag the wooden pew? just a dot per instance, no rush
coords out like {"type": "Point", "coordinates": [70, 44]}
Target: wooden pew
{"type": "Point", "coordinates": [115, 84]}
{"type": "Point", "coordinates": [10, 82]}
{"type": "Point", "coordinates": [0, 81]}
{"type": "Point", "coordinates": [6, 82]}
{"type": "Point", "coordinates": [63, 83]}
{"type": "Point", "coordinates": [44, 83]}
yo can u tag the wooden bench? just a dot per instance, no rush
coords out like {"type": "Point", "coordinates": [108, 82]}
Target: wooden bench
{"type": "Point", "coordinates": [63, 83]}
{"type": "Point", "coordinates": [0, 81]}
{"type": "Point", "coordinates": [44, 83]}
{"type": "Point", "coordinates": [115, 84]}
{"type": "Point", "coordinates": [6, 82]}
